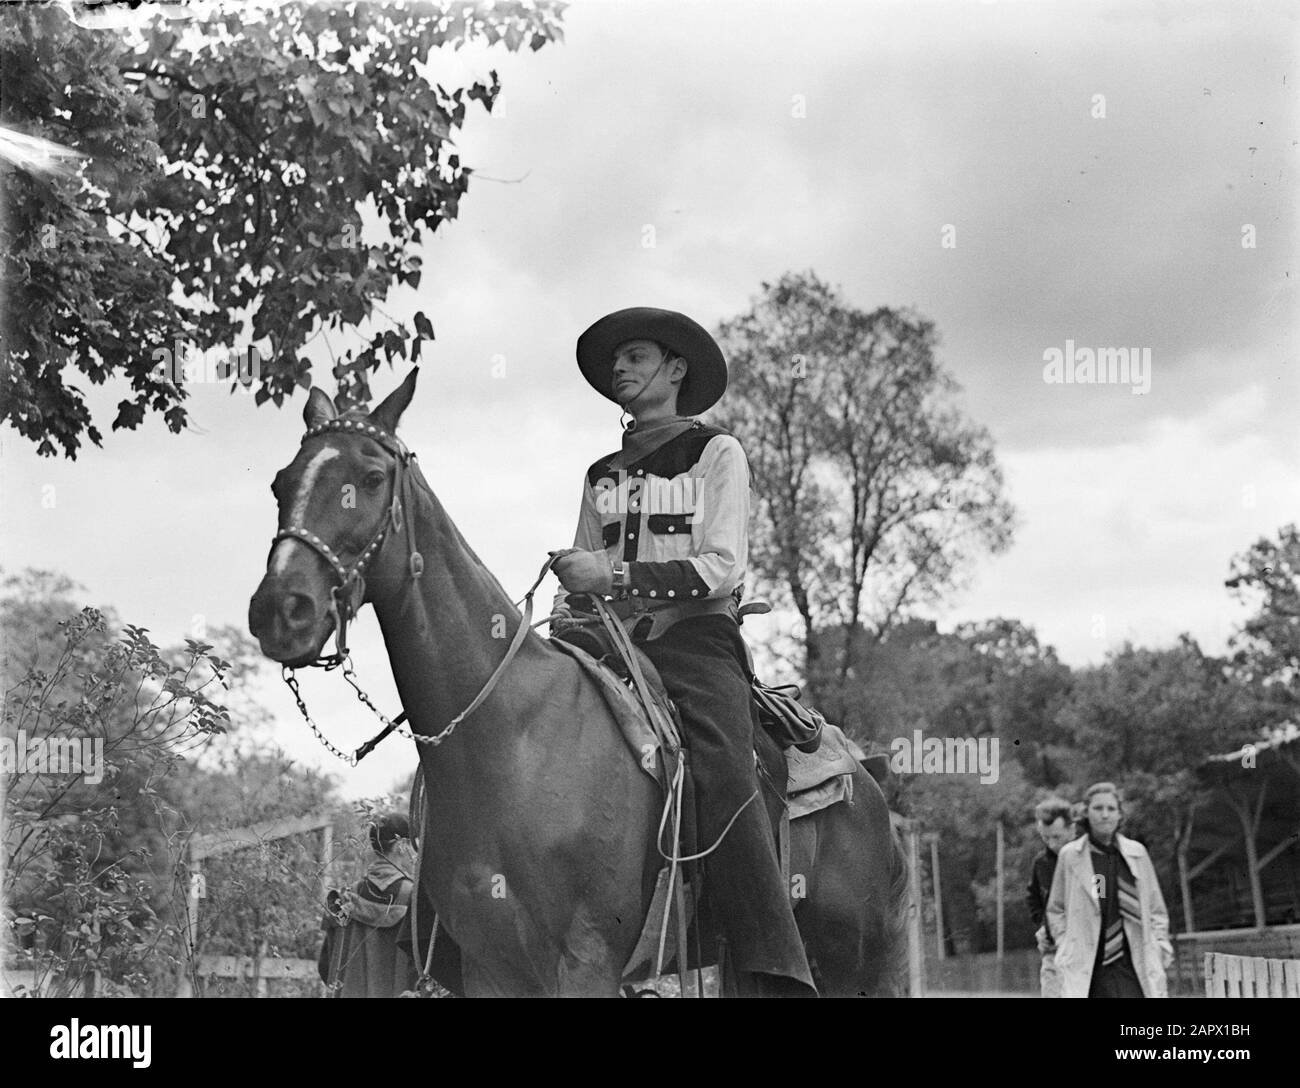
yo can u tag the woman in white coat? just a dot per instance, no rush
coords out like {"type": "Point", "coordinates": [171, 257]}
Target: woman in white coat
{"type": "Point", "coordinates": [1105, 910]}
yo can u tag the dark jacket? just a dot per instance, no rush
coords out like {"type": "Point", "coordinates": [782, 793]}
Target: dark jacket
{"type": "Point", "coordinates": [360, 954]}
{"type": "Point", "coordinates": [1040, 886]}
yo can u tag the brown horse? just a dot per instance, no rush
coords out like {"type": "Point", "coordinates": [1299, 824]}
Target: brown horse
{"type": "Point", "coordinates": [539, 831]}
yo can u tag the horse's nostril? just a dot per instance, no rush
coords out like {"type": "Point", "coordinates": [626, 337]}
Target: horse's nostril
{"type": "Point", "coordinates": [257, 614]}
{"type": "Point", "coordinates": [298, 610]}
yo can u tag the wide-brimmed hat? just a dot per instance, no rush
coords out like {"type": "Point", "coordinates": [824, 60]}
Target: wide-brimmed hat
{"type": "Point", "coordinates": [706, 375]}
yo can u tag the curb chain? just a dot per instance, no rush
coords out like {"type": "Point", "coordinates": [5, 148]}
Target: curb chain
{"type": "Point", "coordinates": [349, 674]}
{"type": "Point", "coordinates": [344, 659]}
{"type": "Point", "coordinates": [292, 681]}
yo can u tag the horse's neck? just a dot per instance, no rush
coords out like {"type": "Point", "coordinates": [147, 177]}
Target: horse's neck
{"type": "Point", "coordinates": [448, 630]}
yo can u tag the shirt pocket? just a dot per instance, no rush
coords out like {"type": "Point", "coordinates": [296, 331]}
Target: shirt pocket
{"type": "Point", "coordinates": [610, 533]}
{"type": "Point", "coordinates": [669, 524]}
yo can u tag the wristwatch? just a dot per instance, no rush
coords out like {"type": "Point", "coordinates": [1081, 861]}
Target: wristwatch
{"type": "Point", "coordinates": [620, 579]}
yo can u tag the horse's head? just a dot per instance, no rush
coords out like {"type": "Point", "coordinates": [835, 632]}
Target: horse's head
{"type": "Point", "coordinates": [340, 503]}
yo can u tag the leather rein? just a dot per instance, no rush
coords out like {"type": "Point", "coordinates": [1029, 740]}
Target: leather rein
{"type": "Point", "coordinates": [349, 591]}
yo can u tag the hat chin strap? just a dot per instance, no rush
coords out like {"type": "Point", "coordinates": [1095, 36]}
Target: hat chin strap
{"type": "Point", "coordinates": [627, 408]}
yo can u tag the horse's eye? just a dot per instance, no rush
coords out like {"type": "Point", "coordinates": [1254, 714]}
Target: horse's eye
{"type": "Point", "coordinates": [374, 480]}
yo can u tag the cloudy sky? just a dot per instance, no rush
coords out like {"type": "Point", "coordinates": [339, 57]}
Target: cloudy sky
{"type": "Point", "coordinates": [1098, 166]}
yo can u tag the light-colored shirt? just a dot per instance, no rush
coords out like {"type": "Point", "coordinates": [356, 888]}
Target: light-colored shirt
{"type": "Point", "coordinates": [678, 518]}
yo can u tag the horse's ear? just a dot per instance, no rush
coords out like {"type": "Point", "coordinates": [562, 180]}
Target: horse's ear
{"type": "Point", "coordinates": [320, 409]}
{"type": "Point", "coordinates": [390, 411]}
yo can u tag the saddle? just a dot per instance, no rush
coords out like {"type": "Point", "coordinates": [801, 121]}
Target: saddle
{"type": "Point", "coordinates": [788, 721]}
{"type": "Point", "coordinates": [803, 784]}
{"type": "Point", "coordinates": [595, 640]}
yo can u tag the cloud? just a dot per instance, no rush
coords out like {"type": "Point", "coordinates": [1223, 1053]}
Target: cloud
{"type": "Point", "coordinates": [1132, 540]}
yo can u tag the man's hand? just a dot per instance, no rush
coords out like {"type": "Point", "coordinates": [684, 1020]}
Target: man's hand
{"type": "Point", "coordinates": [562, 618]}
{"type": "Point", "coordinates": [1045, 943]}
{"type": "Point", "coordinates": [585, 572]}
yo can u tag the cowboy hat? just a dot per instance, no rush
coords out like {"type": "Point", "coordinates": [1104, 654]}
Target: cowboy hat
{"type": "Point", "coordinates": [706, 377]}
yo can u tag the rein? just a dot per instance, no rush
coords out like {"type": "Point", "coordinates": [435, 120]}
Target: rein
{"type": "Point", "coordinates": [348, 595]}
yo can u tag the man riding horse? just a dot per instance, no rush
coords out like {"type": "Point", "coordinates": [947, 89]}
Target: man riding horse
{"type": "Point", "coordinates": [663, 530]}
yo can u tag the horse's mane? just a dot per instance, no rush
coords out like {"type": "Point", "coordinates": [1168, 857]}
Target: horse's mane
{"type": "Point", "coordinates": [425, 494]}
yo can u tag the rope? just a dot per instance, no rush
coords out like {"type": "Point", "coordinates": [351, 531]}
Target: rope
{"type": "Point", "coordinates": [423, 975]}
{"type": "Point", "coordinates": [672, 803]}
{"type": "Point", "coordinates": [704, 853]}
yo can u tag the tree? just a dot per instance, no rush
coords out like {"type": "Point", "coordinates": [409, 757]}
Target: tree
{"type": "Point", "coordinates": [964, 812]}
{"type": "Point", "coordinates": [873, 491]}
{"type": "Point", "coordinates": [992, 679]}
{"type": "Point", "coordinates": [1145, 719]}
{"type": "Point", "coordinates": [1268, 646]}
{"type": "Point", "coordinates": [1156, 711]}
{"type": "Point", "coordinates": [217, 215]}
{"type": "Point", "coordinates": [90, 732]}
{"type": "Point", "coordinates": [95, 879]}
{"type": "Point", "coordinates": [896, 685]}
{"type": "Point", "coordinates": [1017, 687]}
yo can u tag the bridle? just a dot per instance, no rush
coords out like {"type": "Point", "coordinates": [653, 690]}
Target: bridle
{"type": "Point", "coordinates": [349, 590]}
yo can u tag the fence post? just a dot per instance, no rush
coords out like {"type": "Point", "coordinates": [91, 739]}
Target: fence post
{"type": "Point", "coordinates": [932, 837]}
{"type": "Point", "coordinates": [915, 953]}
{"type": "Point", "coordinates": [259, 983]}
{"type": "Point", "coordinates": [1184, 874]}
{"type": "Point", "coordinates": [1001, 864]}
{"type": "Point", "coordinates": [195, 873]}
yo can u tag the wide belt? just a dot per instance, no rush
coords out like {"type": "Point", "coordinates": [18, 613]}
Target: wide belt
{"type": "Point", "coordinates": [646, 619]}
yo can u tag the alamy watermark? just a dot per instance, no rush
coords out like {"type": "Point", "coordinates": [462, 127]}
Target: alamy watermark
{"type": "Point", "coordinates": [1100, 366]}
{"type": "Point", "coordinates": [53, 755]}
{"type": "Point", "coordinates": [919, 754]}
{"type": "Point", "coordinates": [121, 1042]}
{"type": "Point", "coordinates": [185, 364]}
{"type": "Point", "coordinates": [626, 492]}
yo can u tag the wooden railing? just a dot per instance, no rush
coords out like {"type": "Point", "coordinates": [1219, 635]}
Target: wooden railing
{"type": "Point", "coordinates": [1250, 976]}
{"type": "Point", "coordinates": [1187, 973]}
{"type": "Point", "coordinates": [253, 973]}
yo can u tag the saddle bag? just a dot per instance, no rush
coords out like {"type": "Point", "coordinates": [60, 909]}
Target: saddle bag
{"type": "Point", "coordinates": [788, 721]}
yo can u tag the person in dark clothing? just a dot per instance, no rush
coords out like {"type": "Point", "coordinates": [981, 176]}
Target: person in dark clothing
{"type": "Point", "coordinates": [360, 956]}
{"type": "Point", "coordinates": [1055, 828]}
